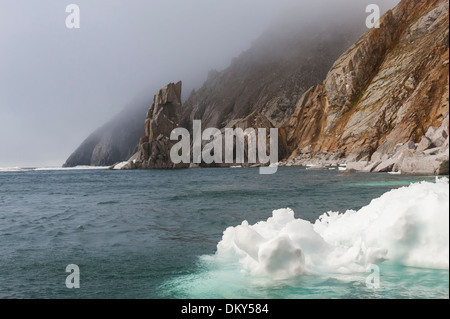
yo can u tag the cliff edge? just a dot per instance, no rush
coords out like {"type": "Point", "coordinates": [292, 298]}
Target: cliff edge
{"type": "Point", "coordinates": [163, 116]}
{"type": "Point", "coordinates": [384, 104]}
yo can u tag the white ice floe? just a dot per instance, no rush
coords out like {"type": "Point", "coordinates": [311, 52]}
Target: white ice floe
{"type": "Point", "coordinates": [70, 168]}
{"type": "Point", "coordinates": [19, 169]}
{"type": "Point", "coordinates": [407, 226]}
{"type": "Point", "coordinates": [13, 169]}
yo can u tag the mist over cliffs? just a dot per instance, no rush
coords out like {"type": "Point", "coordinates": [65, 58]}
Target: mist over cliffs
{"type": "Point", "coordinates": [114, 141]}
{"type": "Point", "coordinates": [377, 103]}
{"type": "Point", "coordinates": [269, 78]}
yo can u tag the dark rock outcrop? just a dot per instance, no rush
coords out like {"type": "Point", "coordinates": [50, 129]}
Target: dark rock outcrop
{"type": "Point", "coordinates": [163, 116]}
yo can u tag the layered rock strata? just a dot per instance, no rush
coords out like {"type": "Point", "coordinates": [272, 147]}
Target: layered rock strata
{"type": "Point", "coordinates": [384, 105]}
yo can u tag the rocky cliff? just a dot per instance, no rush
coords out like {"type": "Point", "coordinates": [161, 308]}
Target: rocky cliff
{"type": "Point", "coordinates": [269, 78]}
{"type": "Point", "coordinates": [163, 116]}
{"type": "Point", "coordinates": [381, 107]}
{"type": "Point", "coordinates": [384, 104]}
{"type": "Point", "coordinates": [114, 142]}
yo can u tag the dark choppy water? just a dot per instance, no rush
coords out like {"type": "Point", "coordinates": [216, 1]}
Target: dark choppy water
{"type": "Point", "coordinates": [140, 234]}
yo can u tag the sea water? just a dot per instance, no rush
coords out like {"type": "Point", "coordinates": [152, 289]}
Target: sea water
{"type": "Point", "coordinates": [223, 233]}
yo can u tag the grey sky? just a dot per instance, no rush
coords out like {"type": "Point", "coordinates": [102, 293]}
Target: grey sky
{"type": "Point", "coordinates": [58, 85]}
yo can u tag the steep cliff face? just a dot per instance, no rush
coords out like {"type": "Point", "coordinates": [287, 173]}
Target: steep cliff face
{"type": "Point", "coordinates": [163, 116]}
{"type": "Point", "coordinates": [269, 78]}
{"type": "Point", "coordinates": [387, 89]}
{"type": "Point", "coordinates": [383, 106]}
{"type": "Point", "coordinates": [114, 142]}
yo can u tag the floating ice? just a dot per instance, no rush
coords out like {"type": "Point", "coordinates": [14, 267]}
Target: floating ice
{"type": "Point", "coordinates": [19, 169]}
{"type": "Point", "coordinates": [81, 167]}
{"type": "Point", "coordinates": [407, 226]}
{"type": "Point", "coordinates": [13, 169]}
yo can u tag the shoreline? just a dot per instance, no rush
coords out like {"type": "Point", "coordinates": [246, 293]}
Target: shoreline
{"type": "Point", "coordinates": [340, 166]}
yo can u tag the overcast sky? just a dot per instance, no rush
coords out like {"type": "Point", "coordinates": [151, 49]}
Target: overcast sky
{"type": "Point", "coordinates": [58, 85]}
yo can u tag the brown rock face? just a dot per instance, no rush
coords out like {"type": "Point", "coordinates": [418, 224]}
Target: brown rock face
{"type": "Point", "coordinates": [306, 122]}
{"type": "Point", "coordinates": [162, 117]}
{"type": "Point", "coordinates": [390, 87]}
{"type": "Point", "coordinates": [164, 114]}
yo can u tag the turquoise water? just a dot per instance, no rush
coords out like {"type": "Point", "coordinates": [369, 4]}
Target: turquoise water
{"type": "Point", "coordinates": [151, 234]}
